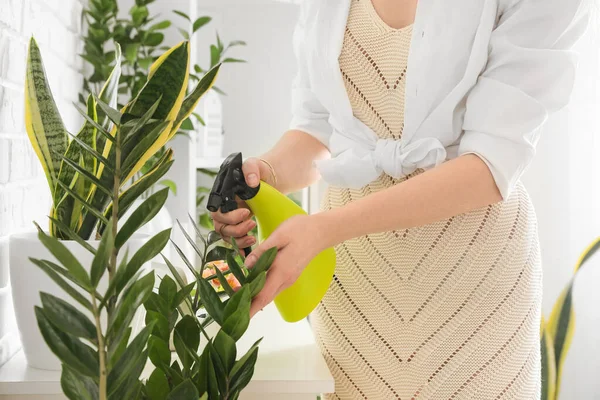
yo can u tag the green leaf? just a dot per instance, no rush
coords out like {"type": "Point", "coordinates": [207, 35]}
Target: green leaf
{"type": "Point", "coordinates": [215, 55]}
{"type": "Point", "coordinates": [43, 122]}
{"type": "Point", "coordinates": [95, 124]}
{"type": "Point", "coordinates": [70, 290]}
{"type": "Point", "coordinates": [77, 386]}
{"type": "Point", "coordinates": [102, 258]}
{"type": "Point", "coordinates": [263, 264]}
{"type": "Point", "coordinates": [141, 216]}
{"type": "Point", "coordinates": [128, 365]}
{"type": "Point", "coordinates": [145, 62]}
{"type": "Point", "coordinates": [186, 261]}
{"type": "Point", "coordinates": [154, 39]}
{"type": "Point", "coordinates": [147, 252]}
{"type": "Point", "coordinates": [161, 323]}
{"type": "Point", "coordinates": [234, 60]}
{"type": "Point", "coordinates": [222, 375]}
{"type": "Point", "coordinates": [184, 391]}
{"type": "Point", "coordinates": [157, 386]}
{"type": "Point", "coordinates": [131, 52]}
{"type": "Point", "coordinates": [167, 289]}
{"type": "Point", "coordinates": [211, 301]}
{"type": "Point", "coordinates": [66, 258]}
{"type": "Point", "coordinates": [235, 269]}
{"type": "Point", "coordinates": [225, 347]}
{"type": "Point", "coordinates": [71, 235]}
{"type": "Point", "coordinates": [159, 352]}
{"type": "Point", "coordinates": [111, 113]}
{"type": "Point", "coordinates": [187, 125]}
{"type": "Point", "coordinates": [160, 25]}
{"type": "Point", "coordinates": [218, 253]}
{"type": "Point", "coordinates": [186, 339]}
{"type": "Point", "coordinates": [204, 396]}
{"type": "Point", "coordinates": [138, 14]}
{"type": "Point", "coordinates": [243, 369]}
{"type": "Point", "coordinates": [109, 93]}
{"type": "Point", "coordinates": [237, 313]}
{"type": "Point", "coordinates": [206, 222]}
{"type": "Point", "coordinates": [182, 294]}
{"type": "Point", "coordinates": [67, 348]}
{"type": "Point", "coordinates": [237, 43]}
{"type": "Point", "coordinates": [182, 14]}
{"type": "Point", "coordinates": [184, 33]}
{"type": "Point", "coordinates": [170, 184]}
{"type": "Point", "coordinates": [200, 22]}
{"type": "Point", "coordinates": [67, 318]}
{"type": "Point", "coordinates": [257, 284]}
{"type": "Point", "coordinates": [117, 348]}
{"type": "Point", "coordinates": [226, 287]}
{"type": "Point", "coordinates": [127, 307]}
{"type": "Point", "coordinates": [178, 278]}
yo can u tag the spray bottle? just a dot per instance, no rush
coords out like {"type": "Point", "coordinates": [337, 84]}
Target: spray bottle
{"type": "Point", "coordinates": [271, 208]}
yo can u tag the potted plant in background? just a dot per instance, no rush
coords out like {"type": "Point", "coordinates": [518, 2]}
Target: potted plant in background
{"type": "Point", "coordinates": [141, 36]}
{"type": "Point", "coordinates": [82, 170]}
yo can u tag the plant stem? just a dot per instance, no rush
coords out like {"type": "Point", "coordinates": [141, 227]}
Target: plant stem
{"type": "Point", "coordinates": [101, 351]}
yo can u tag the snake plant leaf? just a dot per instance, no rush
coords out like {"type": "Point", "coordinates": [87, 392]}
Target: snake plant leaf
{"type": "Point", "coordinates": [43, 122]}
{"type": "Point", "coordinates": [548, 364]}
{"type": "Point", "coordinates": [168, 77]}
{"type": "Point", "coordinates": [68, 209]}
{"type": "Point", "coordinates": [191, 102]}
{"type": "Point", "coordinates": [561, 324]}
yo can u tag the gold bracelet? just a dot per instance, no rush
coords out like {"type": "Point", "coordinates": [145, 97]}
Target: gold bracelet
{"type": "Point", "coordinates": [273, 174]}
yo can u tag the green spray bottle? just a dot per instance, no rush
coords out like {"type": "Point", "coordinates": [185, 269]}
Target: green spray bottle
{"type": "Point", "coordinates": [271, 208]}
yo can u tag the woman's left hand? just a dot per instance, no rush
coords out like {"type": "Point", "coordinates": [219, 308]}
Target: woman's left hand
{"type": "Point", "coordinates": [298, 240]}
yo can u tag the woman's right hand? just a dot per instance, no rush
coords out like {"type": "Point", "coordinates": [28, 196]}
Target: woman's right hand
{"type": "Point", "coordinates": [236, 224]}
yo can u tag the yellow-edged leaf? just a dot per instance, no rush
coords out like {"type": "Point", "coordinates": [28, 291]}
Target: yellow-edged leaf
{"type": "Point", "coordinates": [43, 122]}
{"type": "Point", "coordinates": [548, 364]}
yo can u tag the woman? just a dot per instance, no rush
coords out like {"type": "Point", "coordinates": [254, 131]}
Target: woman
{"type": "Point", "coordinates": [422, 120]}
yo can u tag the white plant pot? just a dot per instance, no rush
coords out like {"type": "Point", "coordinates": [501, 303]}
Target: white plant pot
{"type": "Point", "coordinates": [7, 313]}
{"type": "Point", "coordinates": [28, 280]}
{"type": "Point", "coordinates": [159, 223]}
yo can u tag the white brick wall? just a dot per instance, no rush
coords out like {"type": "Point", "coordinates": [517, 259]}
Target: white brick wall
{"type": "Point", "coordinates": [56, 25]}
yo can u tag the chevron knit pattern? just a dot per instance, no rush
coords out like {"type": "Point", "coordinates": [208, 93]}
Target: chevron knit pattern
{"type": "Point", "coordinates": [450, 310]}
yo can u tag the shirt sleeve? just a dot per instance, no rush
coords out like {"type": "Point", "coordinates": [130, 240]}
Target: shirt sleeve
{"type": "Point", "coordinates": [529, 74]}
{"type": "Point", "coordinates": [308, 114]}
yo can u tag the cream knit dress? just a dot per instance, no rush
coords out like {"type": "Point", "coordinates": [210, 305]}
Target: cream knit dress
{"type": "Point", "coordinates": [450, 310]}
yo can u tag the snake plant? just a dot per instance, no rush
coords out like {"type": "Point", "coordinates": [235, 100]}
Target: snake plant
{"type": "Point", "coordinates": [80, 167]}
{"type": "Point", "coordinates": [557, 332]}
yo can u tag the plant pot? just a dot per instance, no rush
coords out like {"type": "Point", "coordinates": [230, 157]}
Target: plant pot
{"type": "Point", "coordinates": [28, 280]}
{"type": "Point", "coordinates": [159, 223]}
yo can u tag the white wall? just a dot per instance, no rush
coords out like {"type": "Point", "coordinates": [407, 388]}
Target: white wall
{"type": "Point", "coordinates": [24, 195]}
{"type": "Point", "coordinates": [257, 106]}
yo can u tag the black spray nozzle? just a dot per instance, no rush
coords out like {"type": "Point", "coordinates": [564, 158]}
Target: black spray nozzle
{"type": "Point", "coordinates": [229, 183]}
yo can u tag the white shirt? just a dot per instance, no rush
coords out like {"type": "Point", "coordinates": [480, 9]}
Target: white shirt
{"type": "Point", "coordinates": [483, 76]}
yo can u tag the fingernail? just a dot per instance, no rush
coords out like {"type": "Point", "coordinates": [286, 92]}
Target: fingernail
{"type": "Point", "coordinates": [252, 180]}
{"type": "Point", "coordinates": [250, 260]}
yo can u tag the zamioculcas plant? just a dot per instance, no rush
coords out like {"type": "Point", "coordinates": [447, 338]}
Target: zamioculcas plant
{"type": "Point", "coordinates": [92, 336]}
{"type": "Point", "coordinates": [172, 313]}
{"type": "Point", "coordinates": [80, 168]}
{"type": "Point", "coordinates": [557, 332]}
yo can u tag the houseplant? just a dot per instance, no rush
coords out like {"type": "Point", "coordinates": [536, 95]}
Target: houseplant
{"type": "Point", "coordinates": [557, 332]}
{"type": "Point", "coordinates": [172, 312]}
{"type": "Point", "coordinates": [81, 172]}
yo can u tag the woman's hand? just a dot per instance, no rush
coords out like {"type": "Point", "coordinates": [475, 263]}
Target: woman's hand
{"type": "Point", "coordinates": [236, 224]}
{"type": "Point", "coordinates": [298, 240]}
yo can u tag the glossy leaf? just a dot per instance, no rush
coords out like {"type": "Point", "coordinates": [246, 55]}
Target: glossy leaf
{"type": "Point", "coordinates": [102, 258]}
{"type": "Point", "coordinates": [237, 314]}
{"type": "Point", "coordinates": [129, 304]}
{"type": "Point", "coordinates": [184, 391]}
{"type": "Point", "coordinates": [263, 264]}
{"type": "Point", "coordinates": [141, 216]}
{"type": "Point", "coordinates": [223, 281]}
{"type": "Point", "coordinates": [67, 318]}
{"type": "Point", "coordinates": [157, 386]}
{"type": "Point", "coordinates": [167, 289]}
{"type": "Point", "coordinates": [66, 258]}
{"type": "Point", "coordinates": [161, 323]}
{"type": "Point", "coordinates": [67, 348]}
{"type": "Point", "coordinates": [225, 347]}
{"type": "Point", "coordinates": [64, 285]}
{"type": "Point", "coordinates": [77, 386]}
{"type": "Point", "coordinates": [211, 301]}
{"type": "Point", "coordinates": [243, 369]}
{"type": "Point", "coordinates": [128, 365]}
{"type": "Point", "coordinates": [186, 339]}
{"type": "Point", "coordinates": [159, 352]}
{"type": "Point", "coordinates": [200, 22]}
{"type": "Point", "coordinates": [235, 269]}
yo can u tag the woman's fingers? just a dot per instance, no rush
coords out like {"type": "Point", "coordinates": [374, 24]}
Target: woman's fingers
{"type": "Point", "coordinates": [231, 218]}
{"type": "Point", "coordinates": [236, 231]}
{"type": "Point", "coordinates": [245, 241]}
{"type": "Point", "coordinates": [251, 172]}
